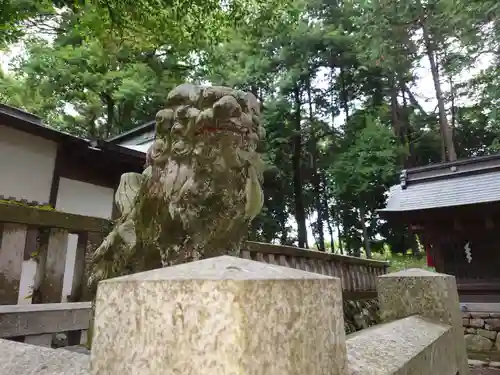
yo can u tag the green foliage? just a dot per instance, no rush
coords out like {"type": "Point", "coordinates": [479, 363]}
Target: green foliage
{"type": "Point", "coordinates": [368, 164]}
{"type": "Point", "coordinates": [400, 262]}
{"type": "Point", "coordinates": [336, 81]}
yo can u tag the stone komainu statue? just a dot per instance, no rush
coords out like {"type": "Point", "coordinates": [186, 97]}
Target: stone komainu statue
{"type": "Point", "coordinates": [199, 191]}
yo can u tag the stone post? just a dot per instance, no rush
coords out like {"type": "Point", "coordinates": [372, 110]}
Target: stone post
{"type": "Point", "coordinates": [223, 316]}
{"type": "Point", "coordinates": [428, 294]}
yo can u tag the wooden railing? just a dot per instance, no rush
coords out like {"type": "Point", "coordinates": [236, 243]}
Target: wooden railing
{"type": "Point", "coordinates": [47, 266]}
{"type": "Point", "coordinates": [35, 324]}
{"type": "Point", "coordinates": [43, 258]}
{"type": "Point", "coordinates": [358, 275]}
{"type": "Point", "coordinates": [39, 248]}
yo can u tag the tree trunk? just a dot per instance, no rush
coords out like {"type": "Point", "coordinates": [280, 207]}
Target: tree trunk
{"type": "Point", "coordinates": [366, 239]}
{"type": "Point", "coordinates": [446, 133]}
{"type": "Point", "coordinates": [326, 212]}
{"type": "Point", "coordinates": [453, 106]}
{"type": "Point", "coordinates": [300, 214]}
{"type": "Point", "coordinates": [396, 123]}
{"type": "Point", "coordinates": [316, 178]}
{"type": "Point", "coordinates": [341, 245]}
{"type": "Point", "coordinates": [330, 232]}
{"type": "Point", "coordinates": [414, 102]}
{"type": "Point", "coordinates": [344, 95]}
{"type": "Point", "coordinates": [337, 221]}
{"type": "Point", "coordinates": [346, 236]}
{"type": "Point", "coordinates": [110, 115]}
{"type": "Point", "coordinates": [411, 158]}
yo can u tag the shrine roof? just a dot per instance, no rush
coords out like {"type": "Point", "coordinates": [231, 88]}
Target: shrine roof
{"type": "Point", "coordinates": [29, 123]}
{"type": "Point", "coordinates": [463, 182]}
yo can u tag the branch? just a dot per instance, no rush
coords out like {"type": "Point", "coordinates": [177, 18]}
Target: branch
{"type": "Point", "coordinates": [43, 27]}
{"type": "Point", "coordinates": [414, 100]}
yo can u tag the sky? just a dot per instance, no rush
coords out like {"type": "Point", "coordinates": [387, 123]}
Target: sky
{"type": "Point", "coordinates": [423, 91]}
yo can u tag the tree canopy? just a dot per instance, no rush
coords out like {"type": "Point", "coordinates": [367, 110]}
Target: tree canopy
{"type": "Point", "coordinates": [340, 84]}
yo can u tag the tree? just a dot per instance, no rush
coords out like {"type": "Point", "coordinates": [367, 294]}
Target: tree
{"type": "Point", "coordinates": [337, 82]}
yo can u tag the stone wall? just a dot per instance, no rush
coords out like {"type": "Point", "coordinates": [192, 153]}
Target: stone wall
{"type": "Point", "coordinates": [481, 332]}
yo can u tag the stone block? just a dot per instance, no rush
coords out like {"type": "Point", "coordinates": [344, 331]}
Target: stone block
{"type": "Point", "coordinates": [471, 330]}
{"type": "Point", "coordinates": [428, 294]}
{"type": "Point", "coordinates": [493, 324]}
{"type": "Point", "coordinates": [22, 359]}
{"type": "Point", "coordinates": [222, 315]}
{"type": "Point", "coordinates": [497, 344]}
{"type": "Point", "coordinates": [476, 323]}
{"type": "Point", "coordinates": [492, 335]}
{"type": "Point", "coordinates": [478, 343]}
{"type": "Point", "coordinates": [412, 345]}
{"type": "Point", "coordinates": [465, 322]}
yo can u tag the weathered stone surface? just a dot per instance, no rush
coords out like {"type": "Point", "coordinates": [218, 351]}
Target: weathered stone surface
{"type": "Point", "coordinates": [471, 330]}
{"type": "Point", "coordinates": [488, 334]}
{"type": "Point", "coordinates": [493, 324]}
{"type": "Point", "coordinates": [431, 295]}
{"type": "Point", "coordinates": [224, 315]}
{"type": "Point", "coordinates": [476, 323]}
{"type": "Point", "coordinates": [76, 349]}
{"type": "Point", "coordinates": [23, 359]}
{"type": "Point", "coordinates": [465, 322]}
{"type": "Point", "coordinates": [410, 346]}
{"type": "Point", "coordinates": [201, 187]}
{"type": "Point", "coordinates": [497, 343]}
{"type": "Point", "coordinates": [478, 343]}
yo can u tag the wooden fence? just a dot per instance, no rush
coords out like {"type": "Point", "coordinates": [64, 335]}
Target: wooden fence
{"type": "Point", "coordinates": [42, 254]}
{"type": "Point", "coordinates": [36, 323]}
{"type": "Point", "coordinates": [43, 258]}
{"type": "Point", "coordinates": [358, 275]}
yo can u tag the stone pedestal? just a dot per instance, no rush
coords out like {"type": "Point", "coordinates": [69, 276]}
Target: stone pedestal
{"type": "Point", "coordinates": [221, 316]}
{"type": "Point", "coordinates": [428, 294]}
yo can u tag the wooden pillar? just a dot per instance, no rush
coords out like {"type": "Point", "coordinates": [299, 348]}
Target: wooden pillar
{"type": "Point", "coordinates": [55, 262]}
{"type": "Point", "coordinates": [13, 242]}
{"type": "Point", "coordinates": [78, 283]}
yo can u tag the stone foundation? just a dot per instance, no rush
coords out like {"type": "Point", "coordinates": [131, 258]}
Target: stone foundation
{"type": "Point", "coordinates": [481, 332]}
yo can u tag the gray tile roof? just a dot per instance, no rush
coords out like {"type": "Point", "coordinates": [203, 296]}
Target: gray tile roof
{"type": "Point", "coordinates": [461, 190]}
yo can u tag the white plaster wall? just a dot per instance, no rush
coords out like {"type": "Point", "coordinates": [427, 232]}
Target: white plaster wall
{"type": "Point", "coordinates": [26, 165]}
{"type": "Point", "coordinates": [26, 169]}
{"type": "Point", "coordinates": [27, 282]}
{"type": "Point", "coordinates": [80, 198]}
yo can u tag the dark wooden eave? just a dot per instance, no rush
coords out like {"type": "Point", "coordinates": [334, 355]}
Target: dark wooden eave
{"type": "Point", "coordinates": [133, 133]}
{"type": "Point", "coordinates": [32, 124]}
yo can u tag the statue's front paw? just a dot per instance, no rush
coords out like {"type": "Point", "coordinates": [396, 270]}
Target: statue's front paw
{"type": "Point", "coordinates": [127, 191]}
